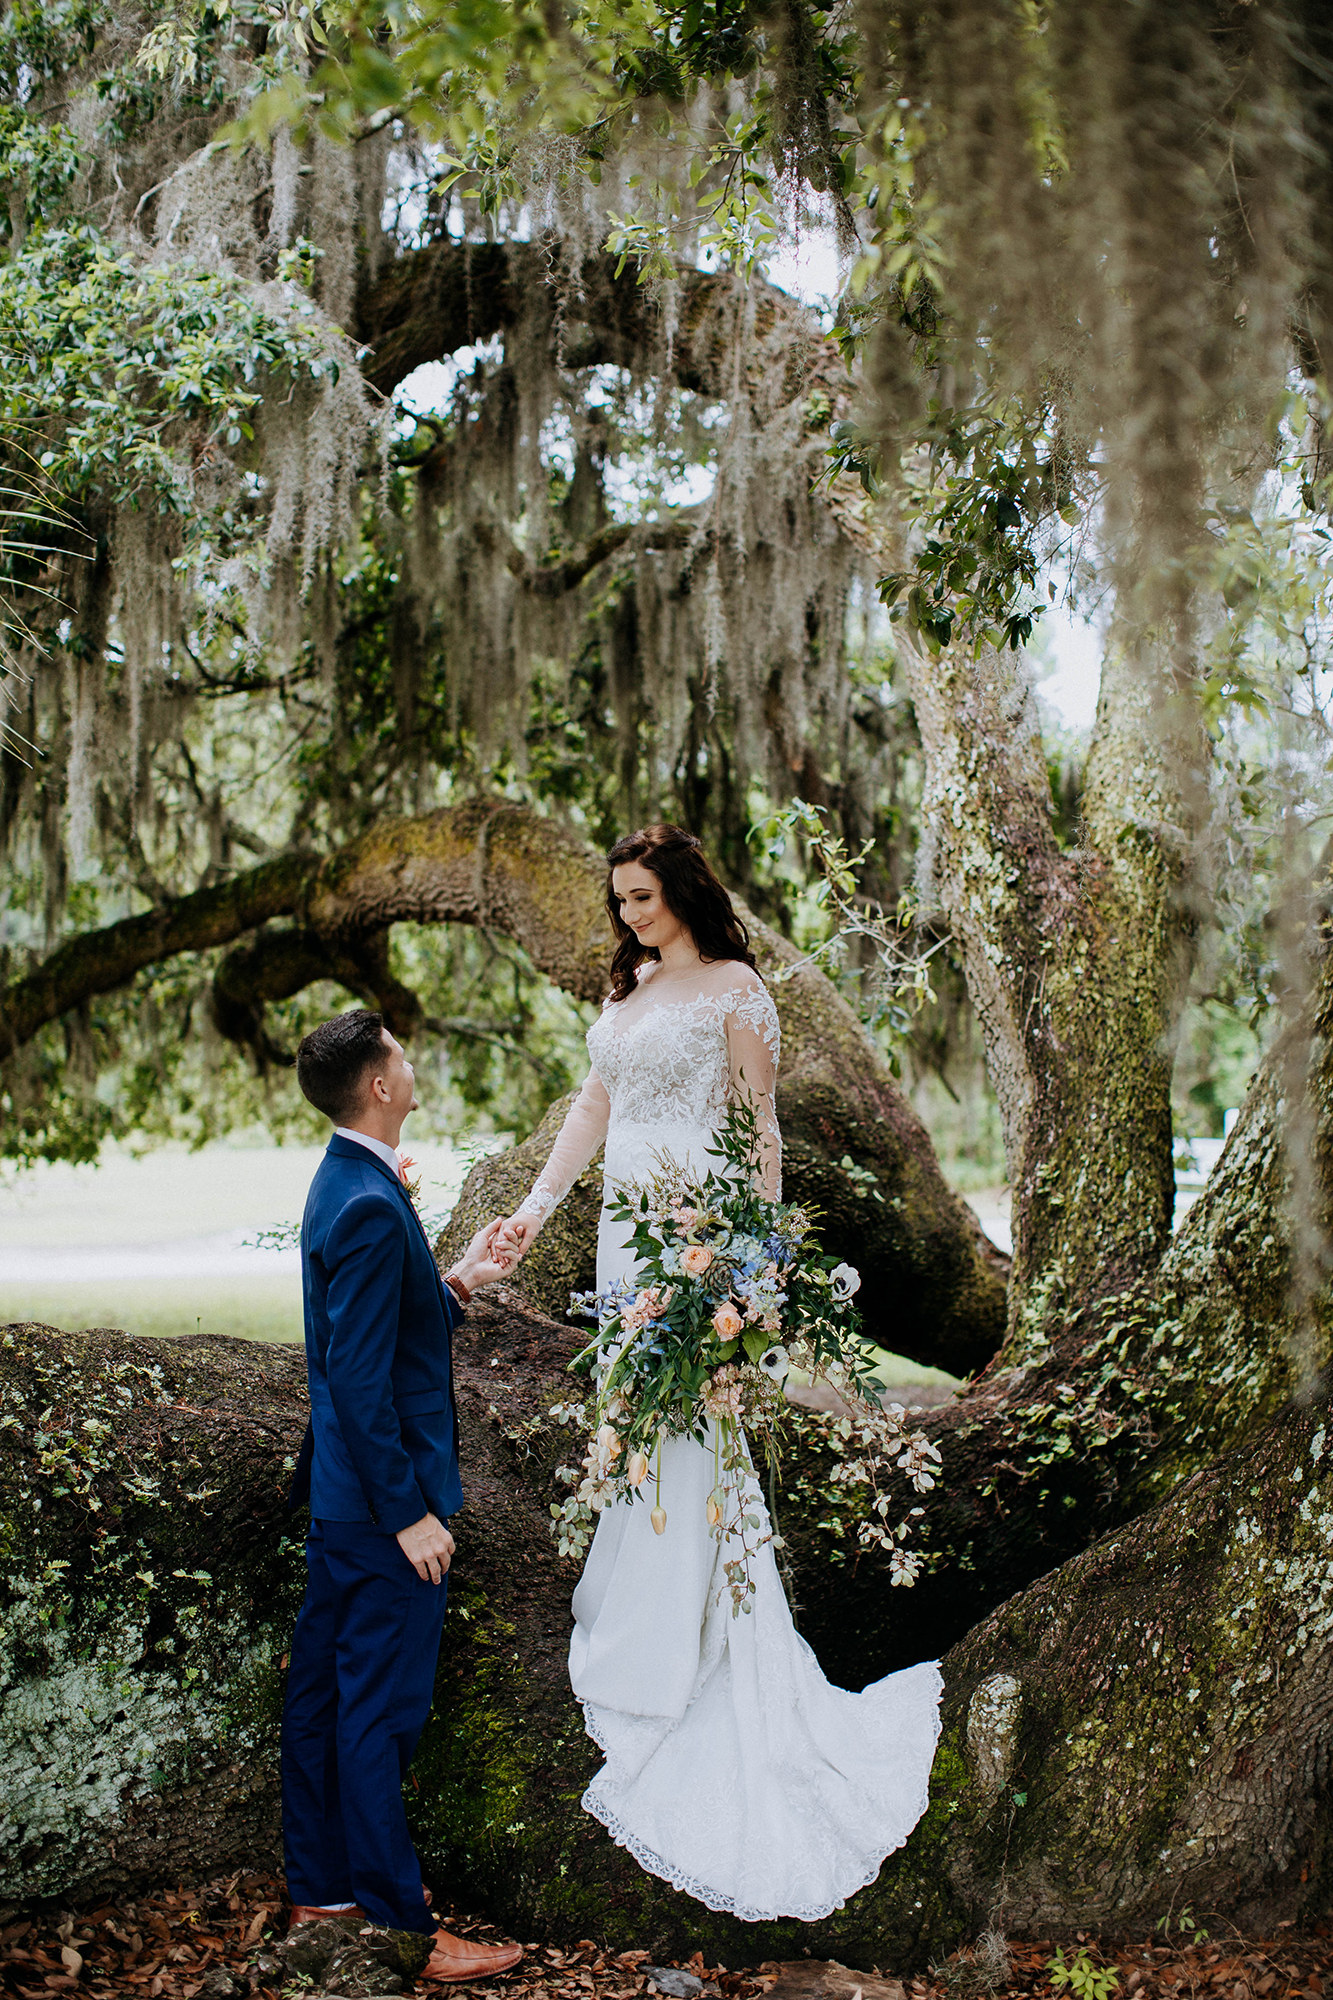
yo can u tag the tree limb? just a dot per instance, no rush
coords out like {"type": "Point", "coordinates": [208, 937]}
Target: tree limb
{"type": "Point", "coordinates": [934, 1284]}
{"type": "Point", "coordinates": [100, 961]}
{"type": "Point", "coordinates": [276, 964]}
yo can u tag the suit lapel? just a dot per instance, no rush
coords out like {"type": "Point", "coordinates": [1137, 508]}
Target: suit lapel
{"type": "Point", "coordinates": [347, 1149]}
{"type": "Point", "coordinates": [421, 1227]}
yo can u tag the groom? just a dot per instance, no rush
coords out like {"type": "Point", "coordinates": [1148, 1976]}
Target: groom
{"type": "Point", "coordinates": [380, 1469]}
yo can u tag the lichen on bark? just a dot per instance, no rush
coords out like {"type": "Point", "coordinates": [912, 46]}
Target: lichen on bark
{"type": "Point", "coordinates": [148, 1600]}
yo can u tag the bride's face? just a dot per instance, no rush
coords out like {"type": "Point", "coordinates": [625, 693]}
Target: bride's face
{"type": "Point", "coordinates": [643, 906]}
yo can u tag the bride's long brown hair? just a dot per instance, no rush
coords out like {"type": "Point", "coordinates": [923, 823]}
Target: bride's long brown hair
{"type": "Point", "coordinates": [690, 890]}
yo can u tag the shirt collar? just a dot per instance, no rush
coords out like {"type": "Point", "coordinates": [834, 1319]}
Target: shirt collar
{"type": "Point", "coordinates": [375, 1146]}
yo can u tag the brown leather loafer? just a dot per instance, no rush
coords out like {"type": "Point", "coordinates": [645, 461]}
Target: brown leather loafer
{"type": "Point", "coordinates": [312, 1913]}
{"type": "Point", "coordinates": [457, 1959]}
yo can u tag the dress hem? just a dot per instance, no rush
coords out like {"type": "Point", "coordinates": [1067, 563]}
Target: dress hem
{"type": "Point", "coordinates": [647, 1857]}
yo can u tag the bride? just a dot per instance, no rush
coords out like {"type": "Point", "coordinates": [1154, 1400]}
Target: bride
{"type": "Point", "coordinates": [733, 1768]}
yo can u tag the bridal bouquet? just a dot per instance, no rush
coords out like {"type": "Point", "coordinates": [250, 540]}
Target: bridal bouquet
{"type": "Point", "coordinates": [732, 1292]}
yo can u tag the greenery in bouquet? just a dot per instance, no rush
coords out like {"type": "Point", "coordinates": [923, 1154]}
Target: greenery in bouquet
{"type": "Point", "coordinates": [732, 1292]}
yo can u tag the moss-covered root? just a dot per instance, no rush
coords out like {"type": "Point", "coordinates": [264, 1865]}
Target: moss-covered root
{"type": "Point", "coordinates": [149, 1588]}
{"type": "Point", "coordinates": [1146, 1727]}
{"type": "Point", "coordinates": [1151, 1724]}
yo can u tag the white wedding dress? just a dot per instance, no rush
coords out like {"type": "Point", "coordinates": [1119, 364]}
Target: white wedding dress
{"type": "Point", "coordinates": [733, 1769]}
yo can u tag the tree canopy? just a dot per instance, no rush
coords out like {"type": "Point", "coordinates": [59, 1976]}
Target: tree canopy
{"type": "Point", "coordinates": [655, 536]}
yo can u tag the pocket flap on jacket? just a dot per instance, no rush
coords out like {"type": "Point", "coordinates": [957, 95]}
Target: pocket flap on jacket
{"type": "Point", "coordinates": [417, 1402]}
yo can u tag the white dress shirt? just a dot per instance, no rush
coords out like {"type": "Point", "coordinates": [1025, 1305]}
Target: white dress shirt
{"type": "Point", "coordinates": [375, 1146]}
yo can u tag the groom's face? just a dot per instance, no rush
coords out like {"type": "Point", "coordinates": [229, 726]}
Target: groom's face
{"type": "Point", "coordinates": [393, 1085]}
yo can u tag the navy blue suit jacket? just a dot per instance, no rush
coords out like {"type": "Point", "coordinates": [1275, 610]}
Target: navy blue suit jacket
{"type": "Point", "coordinates": [383, 1439]}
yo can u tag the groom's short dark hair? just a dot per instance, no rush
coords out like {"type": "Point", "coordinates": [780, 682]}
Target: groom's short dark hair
{"type": "Point", "coordinates": [333, 1061]}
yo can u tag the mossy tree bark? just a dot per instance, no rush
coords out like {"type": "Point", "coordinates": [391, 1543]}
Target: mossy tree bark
{"type": "Point", "coordinates": [1135, 1391]}
{"type": "Point", "coordinates": [1076, 961]}
{"type": "Point", "coordinates": [1160, 1705]}
{"type": "Point", "coordinates": [935, 1285]}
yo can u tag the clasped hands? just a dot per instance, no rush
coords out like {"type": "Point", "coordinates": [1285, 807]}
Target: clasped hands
{"type": "Point", "coordinates": [495, 1249]}
{"type": "Point", "coordinates": [487, 1256]}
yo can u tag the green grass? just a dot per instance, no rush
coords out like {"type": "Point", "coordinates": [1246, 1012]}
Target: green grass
{"type": "Point", "coordinates": [246, 1308]}
{"type": "Point", "coordinates": [895, 1371]}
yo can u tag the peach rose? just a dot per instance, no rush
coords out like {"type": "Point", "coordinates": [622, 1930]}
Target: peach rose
{"type": "Point", "coordinates": [697, 1259]}
{"type": "Point", "coordinates": [727, 1321]}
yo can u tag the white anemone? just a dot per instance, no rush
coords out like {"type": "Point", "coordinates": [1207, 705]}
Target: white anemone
{"type": "Point", "coordinates": [776, 1364]}
{"type": "Point", "coordinates": [845, 1280]}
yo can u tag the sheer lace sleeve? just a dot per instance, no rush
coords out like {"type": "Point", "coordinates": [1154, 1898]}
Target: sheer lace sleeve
{"type": "Point", "coordinates": [576, 1142]}
{"type": "Point", "coordinates": [753, 1046]}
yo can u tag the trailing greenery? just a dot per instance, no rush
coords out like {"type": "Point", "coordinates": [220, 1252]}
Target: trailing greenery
{"type": "Point", "coordinates": [106, 361]}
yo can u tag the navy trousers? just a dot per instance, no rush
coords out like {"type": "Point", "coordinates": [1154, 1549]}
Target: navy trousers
{"type": "Point", "coordinates": [359, 1685]}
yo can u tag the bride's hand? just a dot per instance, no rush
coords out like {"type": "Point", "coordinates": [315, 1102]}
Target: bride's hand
{"type": "Point", "coordinates": [517, 1233]}
{"type": "Point", "coordinates": [485, 1260]}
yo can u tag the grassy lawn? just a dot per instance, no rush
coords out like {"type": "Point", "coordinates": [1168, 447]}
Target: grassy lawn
{"type": "Point", "coordinates": [250, 1308]}
{"type": "Point", "coordinates": [85, 1246]}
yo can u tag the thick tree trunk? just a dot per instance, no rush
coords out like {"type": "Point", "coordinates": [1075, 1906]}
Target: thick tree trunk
{"type": "Point", "coordinates": [1075, 961]}
{"type": "Point", "coordinates": [1135, 1391]}
{"type": "Point", "coordinates": [935, 1284]}
{"type": "Point", "coordinates": [1160, 1705]}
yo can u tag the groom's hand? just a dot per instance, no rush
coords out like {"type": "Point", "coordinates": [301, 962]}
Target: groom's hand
{"type": "Point", "coordinates": [485, 1258]}
{"type": "Point", "coordinates": [428, 1546]}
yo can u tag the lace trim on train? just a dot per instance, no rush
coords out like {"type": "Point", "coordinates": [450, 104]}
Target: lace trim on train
{"type": "Point", "coordinates": [712, 1899]}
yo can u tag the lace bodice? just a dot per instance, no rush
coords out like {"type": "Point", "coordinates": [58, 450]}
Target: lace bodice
{"type": "Point", "coordinates": [670, 1063]}
{"type": "Point", "coordinates": [665, 1069]}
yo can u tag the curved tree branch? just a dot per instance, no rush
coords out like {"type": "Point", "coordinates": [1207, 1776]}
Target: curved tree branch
{"type": "Point", "coordinates": [100, 961]}
{"type": "Point", "coordinates": [275, 964]}
{"type": "Point", "coordinates": [934, 1284]}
